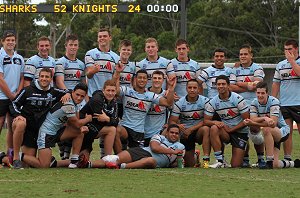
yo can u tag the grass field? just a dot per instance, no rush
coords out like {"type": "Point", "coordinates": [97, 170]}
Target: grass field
{"type": "Point", "coordinates": [188, 182]}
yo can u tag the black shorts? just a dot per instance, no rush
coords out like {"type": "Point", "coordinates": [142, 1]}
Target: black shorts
{"type": "Point", "coordinates": [138, 153]}
{"type": "Point", "coordinates": [190, 142]}
{"type": "Point", "coordinates": [120, 110]}
{"type": "Point", "coordinates": [51, 140]}
{"type": "Point", "coordinates": [147, 142]}
{"type": "Point", "coordinates": [135, 139]}
{"type": "Point", "coordinates": [31, 133]}
{"type": "Point", "coordinates": [283, 139]}
{"type": "Point", "coordinates": [89, 137]}
{"type": "Point", "coordinates": [291, 112]}
{"type": "Point", "coordinates": [239, 140]}
{"type": "Point", "coordinates": [4, 107]}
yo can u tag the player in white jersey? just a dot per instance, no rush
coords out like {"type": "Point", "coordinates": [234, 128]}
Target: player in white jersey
{"type": "Point", "coordinates": [61, 123]}
{"type": "Point", "coordinates": [265, 114]}
{"type": "Point", "coordinates": [161, 153]}
{"type": "Point", "coordinates": [100, 62]}
{"type": "Point", "coordinates": [232, 110]}
{"type": "Point", "coordinates": [42, 60]}
{"type": "Point", "coordinates": [155, 62]}
{"type": "Point", "coordinates": [185, 68]}
{"type": "Point", "coordinates": [11, 81]}
{"type": "Point", "coordinates": [286, 83]}
{"type": "Point", "coordinates": [188, 113]}
{"type": "Point", "coordinates": [243, 79]}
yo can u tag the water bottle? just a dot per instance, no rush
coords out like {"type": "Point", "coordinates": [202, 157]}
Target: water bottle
{"type": "Point", "coordinates": [180, 161]}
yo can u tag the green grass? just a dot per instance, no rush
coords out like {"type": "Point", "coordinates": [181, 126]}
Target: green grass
{"type": "Point", "coordinates": [188, 182]}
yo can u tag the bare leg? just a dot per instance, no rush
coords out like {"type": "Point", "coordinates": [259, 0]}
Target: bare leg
{"type": "Point", "coordinates": [288, 144]}
{"type": "Point", "coordinates": [147, 162]}
{"type": "Point", "coordinates": [121, 133]}
{"type": "Point", "coordinates": [237, 157]}
{"type": "Point", "coordinates": [18, 134]}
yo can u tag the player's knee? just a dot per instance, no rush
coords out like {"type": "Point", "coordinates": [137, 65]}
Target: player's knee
{"type": "Point", "coordinates": [266, 131]}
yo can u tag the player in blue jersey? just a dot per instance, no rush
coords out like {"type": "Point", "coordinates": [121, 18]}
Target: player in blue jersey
{"type": "Point", "coordinates": [61, 123]}
{"type": "Point", "coordinates": [243, 79]}
{"type": "Point", "coordinates": [188, 113]}
{"type": "Point", "coordinates": [232, 109]}
{"type": "Point", "coordinates": [209, 75]}
{"type": "Point", "coordinates": [136, 104]}
{"type": "Point", "coordinates": [11, 81]}
{"type": "Point", "coordinates": [161, 153]}
{"type": "Point", "coordinates": [42, 60]}
{"type": "Point", "coordinates": [185, 68]}
{"type": "Point", "coordinates": [155, 62]}
{"type": "Point", "coordinates": [286, 82]}
{"type": "Point", "coordinates": [100, 62]}
{"type": "Point", "coordinates": [157, 116]}
{"type": "Point", "coordinates": [265, 114]}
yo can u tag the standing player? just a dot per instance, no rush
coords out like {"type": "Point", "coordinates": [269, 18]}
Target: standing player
{"type": "Point", "coordinates": [155, 62]}
{"type": "Point", "coordinates": [42, 60]}
{"type": "Point", "coordinates": [185, 68]}
{"type": "Point", "coordinates": [100, 62]}
{"type": "Point", "coordinates": [243, 79]}
{"type": "Point", "coordinates": [286, 82]}
{"type": "Point", "coordinates": [232, 109]}
{"type": "Point", "coordinates": [11, 81]}
{"type": "Point", "coordinates": [188, 113]}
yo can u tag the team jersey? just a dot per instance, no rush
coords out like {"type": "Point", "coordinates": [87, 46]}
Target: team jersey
{"type": "Point", "coordinates": [289, 83]}
{"type": "Point", "coordinates": [190, 113]}
{"type": "Point", "coordinates": [164, 160]}
{"type": "Point", "coordinates": [156, 118]}
{"type": "Point", "coordinates": [135, 107]}
{"type": "Point", "coordinates": [161, 64]}
{"type": "Point", "coordinates": [271, 108]}
{"type": "Point", "coordinates": [34, 65]}
{"type": "Point", "coordinates": [229, 110]}
{"type": "Point", "coordinates": [209, 75]}
{"type": "Point", "coordinates": [71, 70]}
{"type": "Point", "coordinates": [184, 72]}
{"type": "Point", "coordinates": [127, 74]}
{"type": "Point", "coordinates": [107, 62]}
{"type": "Point", "coordinates": [12, 69]}
{"type": "Point", "coordinates": [247, 74]}
{"type": "Point", "coordinates": [58, 116]}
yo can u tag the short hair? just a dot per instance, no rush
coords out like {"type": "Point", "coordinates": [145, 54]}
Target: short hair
{"type": "Point", "coordinates": [150, 40]}
{"type": "Point", "coordinates": [180, 42]}
{"type": "Point", "coordinates": [159, 73]}
{"type": "Point", "coordinates": [43, 38]}
{"type": "Point", "coordinates": [8, 34]}
{"type": "Point", "coordinates": [262, 85]}
{"type": "Point", "coordinates": [220, 50]}
{"type": "Point", "coordinates": [48, 70]}
{"type": "Point", "coordinates": [105, 30]}
{"type": "Point", "coordinates": [71, 37]}
{"type": "Point", "coordinates": [172, 126]}
{"type": "Point", "coordinates": [192, 80]}
{"type": "Point", "coordinates": [81, 86]}
{"type": "Point", "coordinates": [109, 82]}
{"type": "Point", "coordinates": [141, 71]}
{"type": "Point", "coordinates": [292, 42]}
{"type": "Point", "coordinates": [125, 43]}
{"type": "Point", "coordinates": [246, 46]}
{"type": "Point", "coordinates": [223, 77]}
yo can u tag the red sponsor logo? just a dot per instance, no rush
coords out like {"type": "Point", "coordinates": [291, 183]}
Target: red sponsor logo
{"type": "Point", "coordinates": [141, 105]}
{"type": "Point", "coordinates": [128, 77]}
{"type": "Point", "coordinates": [78, 74]}
{"type": "Point", "coordinates": [247, 79]}
{"type": "Point", "coordinates": [196, 115]}
{"type": "Point", "coordinates": [188, 75]}
{"type": "Point", "coordinates": [293, 73]}
{"type": "Point", "coordinates": [108, 66]}
{"type": "Point", "coordinates": [157, 108]}
{"type": "Point", "coordinates": [231, 113]}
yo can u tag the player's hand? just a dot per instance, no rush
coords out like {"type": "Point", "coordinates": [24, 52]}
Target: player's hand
{"type": "Point", "coordinates": [96, 67]}
{"type": "Point", "coordinates": [120, 67]}
{"type": "Point", "coordinates": [84, 129]}
{"type": "Point", "coordinates": [289, 56]}
{"type": "Point", "coordinates": [89, 118]}
{"type": "Point", "coordinates": [186, 133]}
{"type": "Point", "coordinates": [101, 117]}
{"type": "Point", "coordinates": [176, 97]}
{"type": "Point", "coordinates": [219, 124]}
{"type": "Point", "coordinates": [177, 151]}
{"type": "Point", "coordinates": [237, 64]}
{"type": "Point", "coordinates": [227, 129]}
{"type": "Point", "coordinates": [171, 82]}
{"type": "Point", "coordinates": [19, 118]}
{"type": "Point", "coordinates": [66, 98]}
{"type": "Point", "coordinates": [248, 121]}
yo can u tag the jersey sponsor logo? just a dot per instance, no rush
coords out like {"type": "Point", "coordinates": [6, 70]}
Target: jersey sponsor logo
{"type": "Point", "coordinates": [6, 61]}
{"type": "Point", "coordinates": [247, 79]}
{"type": "Point", "coordinates": [78, 74]}
{"type": "Point", "coordinates": [140, 105]}
{"type": "Point", "coordinates": [128, 77]}
{"type": "Point", "coordinates": [196, 115]}
{"type": "Point", "coordinates": [188, 75]}
{"type": "Point", "coordinates": [108, 66]}
{"type": "Point", "coordinates": [293, 73]}
{"type": "Point", "coordinates": [157, 108]}
{"type": "Point", "coordinates": [231, 113]}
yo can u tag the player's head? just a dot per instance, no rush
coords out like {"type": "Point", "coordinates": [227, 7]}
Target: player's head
{"type": "Point", "coordinates": [219, 57]}
{"type": "Point", "coordinates": [45, 78]}
{"type": "Point", "coordinates": [291, 45]}
{"type": "Point", "coordinates": [157, 79]}
{"type": "Point", "coordinates": [222, 83]}
{"type": "Point", "coordinates": [151, 47]}
{"type": "Point", "coordinates": [9, 41]}
{"type": "Point", "coordinates": [109, 89]}
{"type": "Point", "coordinates": [44, 46]}
{"type": "Point", "coordinates": [182, 49]}
{"type": "Point", "coordinates": [262, 92]}
{"type": "Point", "coordinates": [192, 88]}
{"type": "Point", "coordinates": [104, 38]}
{"type": "Point", "coordinates": [173, 133]}
{"type": "Point", "coordinates": [141, 78]}
{"type": "Point", "coordinates": [125, 49]}
{"type": "Point", "coordinates": [246, 55]}
{"type": "Point", "coordinates": [71, 45]}
{"type": "Point", "coordinates": [79, 92]}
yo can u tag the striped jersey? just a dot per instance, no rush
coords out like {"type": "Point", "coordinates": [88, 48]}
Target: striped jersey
{"type": "Point", "coordinates": [127, 74]}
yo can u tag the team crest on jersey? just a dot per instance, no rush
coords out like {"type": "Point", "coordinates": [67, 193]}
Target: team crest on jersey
{"type": "Point", "coordinates": [17, 61]}
{"type": "Point", "coordinates": [212, 73]}
{"type": "Point", "coordinates": [183, 107]}
{"type": "Point", "coordinates": [217, 105]}
{"type": "Point", "coordinates": [66, 65]}
{"type": "Point", "coordinates": [41, 63]}
{"type": "Point", "coordinates": [98, 56]}
{"type": "Point", "coordinates": [144, 66]}
{"type": "Point", "coordinates": [241, 143]}
{"type": "Point", "coordinates": [175, 67]}
{"type": "Point", "coordinates": [238, 72]}
{"type": "Point", "coordinates": [192, 69]}
{"type": "Point", "coordinates": [130, 92]}
{"type": "Point", "coordinates": [161, 65]}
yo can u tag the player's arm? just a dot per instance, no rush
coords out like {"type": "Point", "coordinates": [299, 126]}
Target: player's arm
{"type": "Point", "coordinates": [77, 123]}
{"type": "Point", "coordinates": [21, 85]}
{"type": "Point", "coordinates": [240, 125]}
{"type": "Point", "coordinates": [169, 100]}
{"type": "Point", "coordinates": [60, 82]}
{"type": "Point", "coordinates": [157, 148]}
{"type": "Point", "coordinates": [275, 89]}
{"type": "Point", "coordinates": [18, 103]}
{"type": "Point", "coordinates": [5, 89]}
{"type": "Point", "coordinates": [92, 70]}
